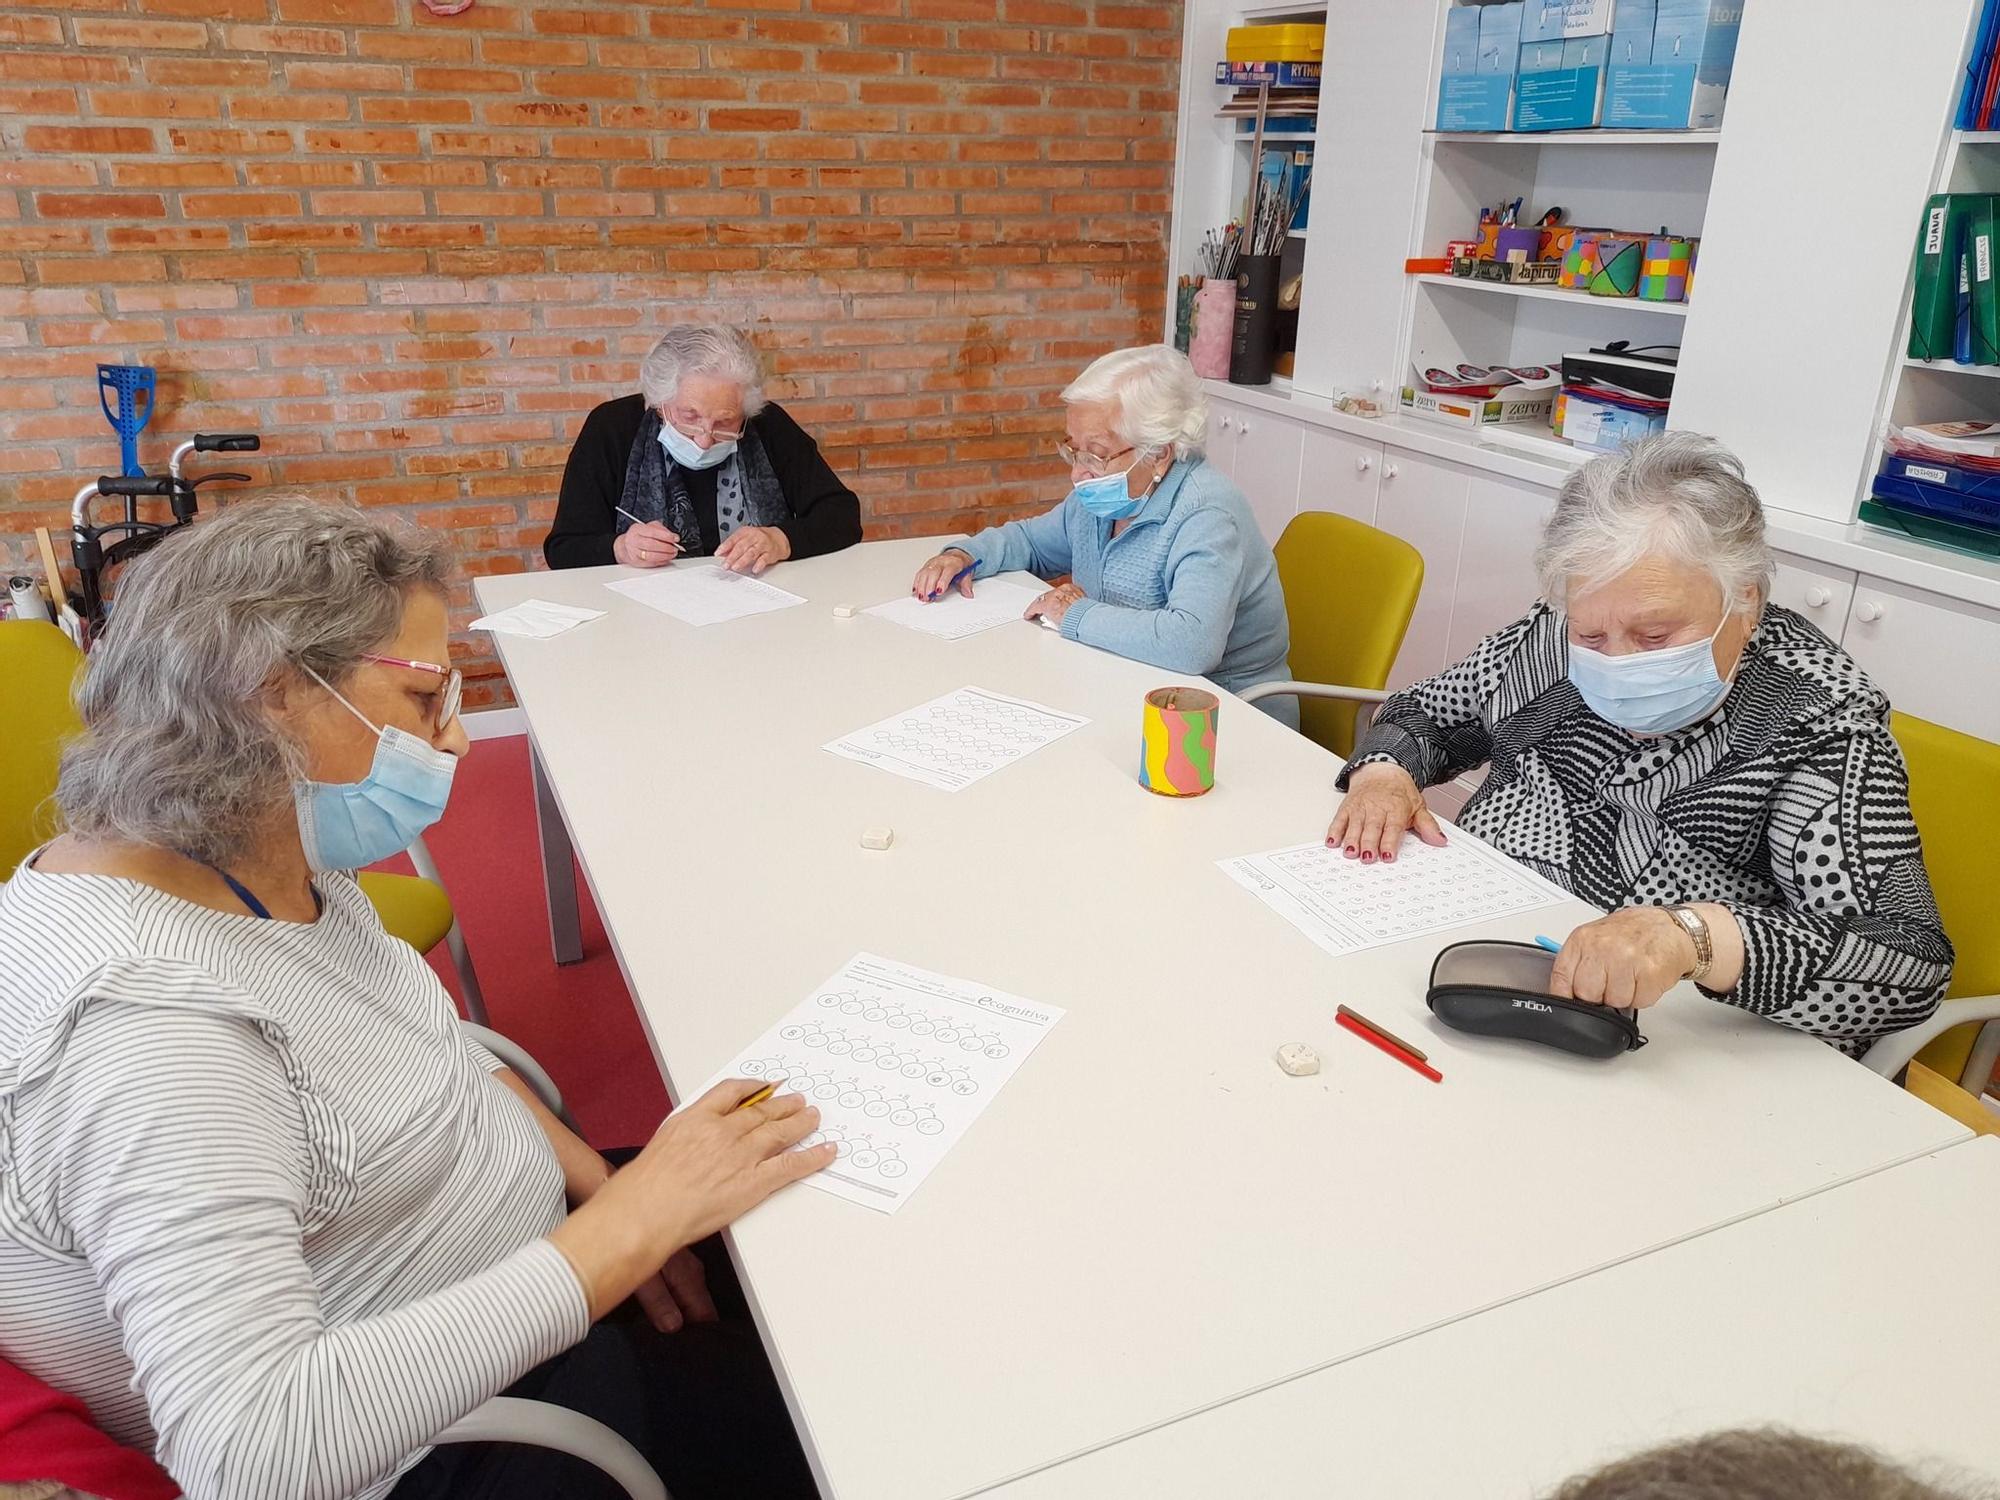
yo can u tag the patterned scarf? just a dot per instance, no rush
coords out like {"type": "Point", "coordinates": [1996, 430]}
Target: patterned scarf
{"type": "Point", "coordinates": [746, 488]}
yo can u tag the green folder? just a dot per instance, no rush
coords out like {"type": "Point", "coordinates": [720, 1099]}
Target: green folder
{"type": "Point", "coordinates": [1934, 310]}
{"type": "Point", "coordinates": [1982, 250]}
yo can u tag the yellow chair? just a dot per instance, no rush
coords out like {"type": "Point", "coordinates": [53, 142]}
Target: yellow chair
{"type": "Point", "coordinates": [1349, 593]}
{"type": "Point", "coordinates": [1955, 794]}
{"type": "Point", "coordinates": [38, 667]}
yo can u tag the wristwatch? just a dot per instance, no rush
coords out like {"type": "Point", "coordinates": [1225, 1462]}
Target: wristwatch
{"type": "Point", "coordinates": [1704, 946]}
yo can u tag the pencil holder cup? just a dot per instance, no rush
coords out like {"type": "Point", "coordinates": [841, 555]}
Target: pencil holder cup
{"type": "Point", "coordinates": [1214, 328]}
{"type": "Point", "coordinates": [1665, 276]}
{"type": "Point", "coordinates": [1184, 315]}
{"type": "Point", "coordinates": [1177, 742]}
{"type": "Point", "coordinates": [1255, 346]}
{"type": "Point", "coordinates": [1619, 264]}
{"type": "Point", "coordinates": [1528, 242]}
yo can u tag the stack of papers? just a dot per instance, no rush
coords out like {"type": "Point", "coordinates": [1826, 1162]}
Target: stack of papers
{"type": "Point", "coordinates": [705, 593]}
{"type": "Point", "coordinates": [536, 618]}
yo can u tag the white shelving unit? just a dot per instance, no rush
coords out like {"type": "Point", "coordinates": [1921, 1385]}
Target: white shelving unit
{"type": "Point", "coordinates": [1556, 294]}
{"type": "Point", "coordinates": [1793, 350]}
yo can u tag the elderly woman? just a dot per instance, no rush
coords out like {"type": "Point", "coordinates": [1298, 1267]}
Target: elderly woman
{"type": "Point", "coordinates": [698, 464]}
{"type": "Point", "coordinates": [263, 1207]}
{"type": "Point", "coordinates": [1165, 560]}
{"type": "Point", "coordinates": [1666, 743]}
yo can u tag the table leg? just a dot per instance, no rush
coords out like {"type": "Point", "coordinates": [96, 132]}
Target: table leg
{"type": "Point", "coordinates": [558, 866]}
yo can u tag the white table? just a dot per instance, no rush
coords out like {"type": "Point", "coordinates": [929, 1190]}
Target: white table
{"type": "Point", "coordinates": [1151, 1218]}
{"type": "Point", "coordinates": [1865, 1313]}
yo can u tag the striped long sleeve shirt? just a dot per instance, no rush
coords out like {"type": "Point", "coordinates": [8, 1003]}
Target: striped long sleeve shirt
{"type": "Point", "coordinates": [262, 1208]}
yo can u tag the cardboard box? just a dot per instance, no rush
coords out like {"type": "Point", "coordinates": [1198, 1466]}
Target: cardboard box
{"type": "Point", "coordinates": [1632, 33]}
{"type": "Point", "coordinates": [1686, 85]}
{"type": "Point", "coordinates": [1510, 408]}
{"type": "Point", "coordinates": [1563, 20]}
{"type": "Point", "coordinates": [1561, 84]}
{"type": "Point", "coordinates": [1600, 426]}
{"type": "Point", "coordinates": [1476, 89]}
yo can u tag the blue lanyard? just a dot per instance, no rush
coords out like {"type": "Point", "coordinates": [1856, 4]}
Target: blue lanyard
{"type": "Point", "coordinates": [243, 893]}
{"type": "Point", "coordinates": [257, 908]}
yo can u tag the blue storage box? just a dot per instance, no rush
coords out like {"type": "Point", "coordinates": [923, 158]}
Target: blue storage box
{"type": "Point", "coordinates": [1941, 502]}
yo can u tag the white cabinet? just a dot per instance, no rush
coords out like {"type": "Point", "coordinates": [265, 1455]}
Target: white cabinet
{"type": "Point", "coordinates": [1820, 593]}
{"type": "Point", "coordinates": [1936, 658]}
{"type": "Point", "coordinates": [1221, 443]}
{"type": "Point", "coordinates": [1423, 502]}
{"type": "Point", "coordinates": [1340, 474]}
{"type": "Point", "coordinates": [1266, 467]}
{"type": "Point", "coordinates": [1496, 570]}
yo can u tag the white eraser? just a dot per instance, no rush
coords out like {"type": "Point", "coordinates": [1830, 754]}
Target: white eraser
{"type": "Point", "coordinates": [1297, 1059]}
{"type": "Point", "coordinates": [877, 838]}
{"type": "Point", "coordinates": [843, 611]}
{"type": "Point", "coordinates": [1047, 624]}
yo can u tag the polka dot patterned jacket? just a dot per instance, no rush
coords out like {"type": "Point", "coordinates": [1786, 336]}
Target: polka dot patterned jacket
{"type": "Point", "coordinates": [1789, 805]}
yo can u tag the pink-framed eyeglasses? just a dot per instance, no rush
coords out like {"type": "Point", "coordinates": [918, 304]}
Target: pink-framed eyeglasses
{"type": "Point", "coordinates": [448, 695]}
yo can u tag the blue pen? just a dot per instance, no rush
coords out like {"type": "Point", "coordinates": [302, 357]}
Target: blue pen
{"type": "Point", "coordinates": [954, 581]}
{"type": "Point", "coordinates": [1549, 943]}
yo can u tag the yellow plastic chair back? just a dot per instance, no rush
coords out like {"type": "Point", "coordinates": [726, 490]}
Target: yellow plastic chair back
{"type": "Point", "coordinates": [1952, 782]}
{"type": "Point", "coordinates": [38, 667]}
{"type": "Point", "coordinates": [1349, 593]}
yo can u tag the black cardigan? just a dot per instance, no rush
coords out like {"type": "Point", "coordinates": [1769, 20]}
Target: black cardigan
{"type": "Point", "coordinates": [825, 514]}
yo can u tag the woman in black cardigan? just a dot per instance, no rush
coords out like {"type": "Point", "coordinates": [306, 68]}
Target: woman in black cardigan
{"type": "Point", "coordinates": [698, 464]}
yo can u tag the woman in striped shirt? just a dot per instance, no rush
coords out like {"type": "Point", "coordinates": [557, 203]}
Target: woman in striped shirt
{"type": "Point", "coordinates": [262, 1207]}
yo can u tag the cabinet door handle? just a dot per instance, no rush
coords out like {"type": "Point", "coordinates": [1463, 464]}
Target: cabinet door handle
{"type": "Point", "coordinates": [1817, 598]}
{"type": "Point", "coordinates": [1363, 464]}
{"type": "Point", "coordinates": [1243, 427]}
{"type": "Point", "coordinates": [1390, 471]}
{"type": "Point", "coordinates": [1868, 611]}
{"type": "Point", "coordinates": [1223, 424]}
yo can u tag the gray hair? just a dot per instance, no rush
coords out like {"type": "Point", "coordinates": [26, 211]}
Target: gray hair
{"type": "Point", "coordinates": [1675, 495]}
{"type": "Point", "coordinates": [179, 749]}
{"type": "Point", "coordinates": [701, 349]}
{"type": "Point", "coordinates": [1159, 396]}
{"type": "Point", "coordinates": [1764, 1464]}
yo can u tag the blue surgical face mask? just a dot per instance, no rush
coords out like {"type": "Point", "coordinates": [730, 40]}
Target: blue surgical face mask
{"type": "Point", "coordinates": [1651, 692]}
{"type": "Point", "coordinates": [1109, 497]}
{"type": "Point", "coordinates": [346, 825]}
{"type": "Point", "coordinates": [681, 449]}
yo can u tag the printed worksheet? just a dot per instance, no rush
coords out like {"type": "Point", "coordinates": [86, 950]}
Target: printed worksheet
{"type": "Point", "coordinates": [899, 1062]}
{"type": "Point", "coordinates": [994, 602]}
{"type": "Point", "coordinates": [704, 593]}
{"type": "Point", "coordinates": [953, 741]}
{"type": "Point", "coordinates": [1344, 905]}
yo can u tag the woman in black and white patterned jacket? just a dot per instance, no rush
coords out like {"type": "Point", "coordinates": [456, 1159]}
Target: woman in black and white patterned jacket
{"type": "Point", "coordinates": [1666, 743]}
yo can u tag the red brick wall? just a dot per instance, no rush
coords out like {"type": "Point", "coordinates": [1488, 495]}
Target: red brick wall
{"type": "Point", "coordinates": [412, 251]}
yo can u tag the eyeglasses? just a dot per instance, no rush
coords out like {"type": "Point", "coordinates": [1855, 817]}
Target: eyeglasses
{"type": "Point", "coordinates": [1090, 463]}
{"type": "Point", "coordinates": [448, 695]}
{"type": "Point", "coordinates": [691, 425]}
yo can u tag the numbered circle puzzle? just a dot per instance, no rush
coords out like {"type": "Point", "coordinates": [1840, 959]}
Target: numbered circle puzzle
{"type": "Point", "coordinates": [899, 1062]}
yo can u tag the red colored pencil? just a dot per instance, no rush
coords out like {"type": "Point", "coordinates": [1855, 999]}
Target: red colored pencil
{"type": "Point", "coordinates": [1377, 1040]}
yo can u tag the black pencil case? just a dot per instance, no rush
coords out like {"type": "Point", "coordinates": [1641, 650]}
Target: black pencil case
{"type": "Point", "coordinates": [1502, 989]}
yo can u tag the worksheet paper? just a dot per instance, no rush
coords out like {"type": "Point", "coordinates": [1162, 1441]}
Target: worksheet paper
{"type": "Point", "coordinates": [705, 593]}
{"type": "Point", "coordinates": [900, 1062]}
{"type": "Point", "coordinates": [995, 602]}
{"type": "Point", "coordinates": [536, 618]}
{"type": "Point", "coordinates": [953, 741]}
{"type": "Point", "coordinates": [1344, 905]}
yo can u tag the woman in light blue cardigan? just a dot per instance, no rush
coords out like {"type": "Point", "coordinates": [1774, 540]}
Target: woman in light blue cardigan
{"type": "Point", "coordinates": [1166, 563]}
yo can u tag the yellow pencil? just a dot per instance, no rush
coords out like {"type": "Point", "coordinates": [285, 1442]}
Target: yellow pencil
{"type": "Point", "coordinates": [757, 1098]}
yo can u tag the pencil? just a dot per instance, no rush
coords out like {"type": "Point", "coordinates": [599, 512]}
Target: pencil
{"type": "Point", "coordinates": [1383, 1032]}
{"type": "Point", "coordinates": [1376, 1040]}
{"type": "Point", "coordinates": [757, 1098]}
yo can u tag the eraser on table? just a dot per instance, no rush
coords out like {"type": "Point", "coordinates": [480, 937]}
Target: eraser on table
{"type": "Point", "coordinates": [878, 838]}
{"type": "Point", "coordinates": [843, 611]}
{"type": "Point", "coordinates": [1047, 624]}
{"type": "Point", "coordinates": [1297, 1059]}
